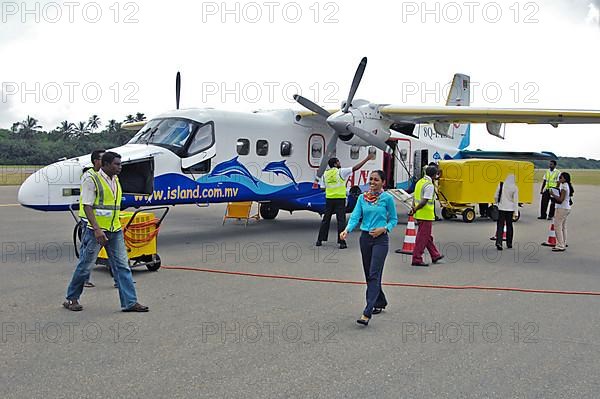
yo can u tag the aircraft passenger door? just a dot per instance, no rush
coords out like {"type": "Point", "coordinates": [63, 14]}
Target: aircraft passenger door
{"type": "Point", "coordinates": [402, 165]}
{"type": "Point", "coordinates": [421, 159]}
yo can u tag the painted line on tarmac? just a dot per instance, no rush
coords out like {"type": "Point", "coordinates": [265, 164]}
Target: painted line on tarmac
{"type": "Point", "coordinates": [10, 205]}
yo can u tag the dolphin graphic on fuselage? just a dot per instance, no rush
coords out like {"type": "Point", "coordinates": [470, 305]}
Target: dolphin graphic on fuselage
{"type": "Point", "coordinates": [280, 168]}
{"type": "Point", "coordinates": [232, 167]}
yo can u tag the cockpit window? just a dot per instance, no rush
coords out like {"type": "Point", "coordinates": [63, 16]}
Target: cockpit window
{"type": "Point", "coordinates": [175, 133]}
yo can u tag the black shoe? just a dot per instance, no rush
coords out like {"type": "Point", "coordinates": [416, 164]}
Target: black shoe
{"type": "Point", "coordinates": [136, 308]}
{"type": "Point", "coordinates": [363, 322]}
{"type": "Point", "coordinates": [318, 244]}
{"type": "Point", "coordinates": [438, 259]}
{"type": "Point", "coordinates": [509, 246]}
{"type": "Point", "coordinates": [378, 310]}
{"type": "Point", "coordinates": [420, 264]}
{"type": "Point", "coordinates": [343, 245]}
{"type": "Point", "coordinates": [499, 247]}
{"type": "Point", "coordinates": [542, 217]}
{"type": "Point", "coordinates": [550, 217]}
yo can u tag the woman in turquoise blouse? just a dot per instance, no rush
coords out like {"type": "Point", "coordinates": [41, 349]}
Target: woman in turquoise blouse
{"type": "Point", "coordinates": [377, 210]}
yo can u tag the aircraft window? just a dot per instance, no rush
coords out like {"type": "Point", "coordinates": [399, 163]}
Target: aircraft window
{"type": "Point", "coordinates": [316, 150]}
{"type": "Point", "coordinates": [243, 146]}
{"type": "Point", "coordinates": [354, 152]}
{"type": "Point", "coordinates": [262, 147]}
{"type": "Point", "coordinates": [286, 148]}
{"type": "Point", "coordinates": [202, 140]}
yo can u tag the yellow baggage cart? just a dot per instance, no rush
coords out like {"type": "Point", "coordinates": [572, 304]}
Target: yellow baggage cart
{"type": "Point", "coordinates": [465, 183]}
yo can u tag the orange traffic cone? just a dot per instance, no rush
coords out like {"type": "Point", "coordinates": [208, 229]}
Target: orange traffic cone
{"type": "Point", "coordinates": [410, 237]}
{"type": "Point", "coordinates": [503, 234]}
{"type": "Point", "coordinates": [551, 237]}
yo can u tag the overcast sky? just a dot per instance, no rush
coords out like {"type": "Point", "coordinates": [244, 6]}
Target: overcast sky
{"type": "Point", "coordinates": [71, 60]}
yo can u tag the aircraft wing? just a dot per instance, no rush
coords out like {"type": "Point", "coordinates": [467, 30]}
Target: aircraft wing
{"type": "Point", "coordinates": [443, 114]}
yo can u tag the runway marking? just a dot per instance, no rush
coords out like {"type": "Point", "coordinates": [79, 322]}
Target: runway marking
{"type": "Point", "coordinates": [10, 205]}
{"type": "Point", "coordinates": [392, 284]}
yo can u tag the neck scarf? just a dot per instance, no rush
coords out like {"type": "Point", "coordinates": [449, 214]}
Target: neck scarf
{"type": "Point", "coordinates": [372, 197]}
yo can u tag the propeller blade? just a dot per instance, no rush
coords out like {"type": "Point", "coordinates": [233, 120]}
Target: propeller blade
{"type": "Point", "coordinates": [177, 89]}
{"type": "Point", "coordinates": [306, 103]}
{"type": "Point", "coordinates": [369, 138]}
{"type": "Point", "coordinates": [328, 154]}
{"type": "Point", "coordinates": [355, 82]}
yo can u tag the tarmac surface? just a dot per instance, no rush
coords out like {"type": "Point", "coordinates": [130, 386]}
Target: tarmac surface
{"type": "Point", "coordinates": [215, 335]}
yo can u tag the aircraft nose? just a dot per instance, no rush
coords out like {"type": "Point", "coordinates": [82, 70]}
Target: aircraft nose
{"type": "Point", "coordinates": [34, 191]}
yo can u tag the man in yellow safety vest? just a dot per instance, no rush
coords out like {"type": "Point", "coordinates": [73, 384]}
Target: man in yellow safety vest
{"type": "Point", "coordinates": [101, 197]}
{"type": "Point", "coordinates": [334, 182]}
{"type": "Point", "coordinates": [424, 213]}
{"type": "Point", "coordinates": [550, 181]}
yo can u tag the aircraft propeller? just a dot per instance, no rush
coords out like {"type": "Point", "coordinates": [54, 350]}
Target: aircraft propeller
{"type": "Point", "coordinates": [177, 89]}
{"type": "Point", "coordinates": [341, 123]}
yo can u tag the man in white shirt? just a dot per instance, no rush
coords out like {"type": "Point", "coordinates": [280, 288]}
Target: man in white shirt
{"type": "Point", "coordinates": [334, 183]}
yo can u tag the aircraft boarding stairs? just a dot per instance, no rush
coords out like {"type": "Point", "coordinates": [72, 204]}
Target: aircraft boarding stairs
{"type": "Point", "coordinates": [405, 199]}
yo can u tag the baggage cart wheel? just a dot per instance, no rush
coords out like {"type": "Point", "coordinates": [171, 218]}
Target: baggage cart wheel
{"type": "Point", "coordinates": [447, 214]}
{"type": "Point", "coordinates": [468, 215]}
{"type": "Point", "coordinates": [155, 264]}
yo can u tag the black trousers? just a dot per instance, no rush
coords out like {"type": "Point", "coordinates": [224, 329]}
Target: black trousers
{"type": "Point", "coordinates": [373, 252]}
{"type": "Point", "coordinates": [337, 206]}
{"type": "Point", "coordinates": [504, 216]}
{"type": "Point", "coordinates": [545, 200]}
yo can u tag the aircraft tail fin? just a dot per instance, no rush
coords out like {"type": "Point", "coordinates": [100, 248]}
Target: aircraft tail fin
{"type": "Point", "coordinates": [460, 91]}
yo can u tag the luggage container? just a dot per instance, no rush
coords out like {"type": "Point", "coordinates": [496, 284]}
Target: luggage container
{"type": "Point", "coordinates": [465, 183]}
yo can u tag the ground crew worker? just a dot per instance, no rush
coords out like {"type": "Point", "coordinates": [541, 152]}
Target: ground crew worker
{"type": "Point", "coordinates": [96, 165]}
{"type": "Point", "coordinates": [101, 196]}
{"type": "Point", "coordinates": [423, 211]}
{"type": "Point", "coordinates": [550, 181]}
{"type": "Point", "coordinates": [334, 182]}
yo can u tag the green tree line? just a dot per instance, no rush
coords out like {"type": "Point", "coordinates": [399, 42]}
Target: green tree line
{"type": "Point", "coordinates": [571, 163]}
{"type": "Point", "coordinates": [26, 143]}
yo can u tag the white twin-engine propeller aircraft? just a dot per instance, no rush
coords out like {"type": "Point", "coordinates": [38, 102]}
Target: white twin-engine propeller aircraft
{"type": "Point", "coordinates": [204, 156]}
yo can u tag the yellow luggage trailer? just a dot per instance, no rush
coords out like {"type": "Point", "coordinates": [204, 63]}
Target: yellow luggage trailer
{"type": "Point", "coordinates": [465, 183]}
{"type": "Point", "coordinates": [140, 230]}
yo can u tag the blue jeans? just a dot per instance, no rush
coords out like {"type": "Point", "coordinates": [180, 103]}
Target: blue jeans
{"type": "Point", "coordinates": [117, 255]}
{"type": "Point", "coordinates": [84, 224]}
{"type": "Point", "coordinates": [374, 251]}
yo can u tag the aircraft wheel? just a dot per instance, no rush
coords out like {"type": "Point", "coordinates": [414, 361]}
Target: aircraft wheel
{"type": "Point", "coordinates": [268, 211]}
{"type": "Point", "coordinates": [446, 214]}
{"type": "Point", "coordinates": [156, 263]}
{"type": "Point", "coordinates": [468, 215]}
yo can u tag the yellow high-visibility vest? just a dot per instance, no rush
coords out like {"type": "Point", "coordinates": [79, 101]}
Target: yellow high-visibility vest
{"type": "Point", "coordinates": [81, 211]}
{"type": "Point", "coordinates": [107, 205]}
{"type": "Point", "coordinates": [427, 212]}
{"type": "Point", "coordinates": [335, 186]}
{"type": "Point", "coordinates": [551, 178]}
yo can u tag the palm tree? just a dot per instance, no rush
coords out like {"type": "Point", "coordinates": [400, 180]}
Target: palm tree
{"type": "Point", "coordinates": [140, 117]}
{"type": "Point", "coordinates": [65, 127]}
{"type": "Point", "coordinates": [81, 129]}
{"type": "Point", "coordinates": [94, 122]}
{"type": "Point", "coordinates": [113, 126]}
{"type": "Point", "coordinates": [129, 119]}
{"type": "Point", "coordinates": [27, 126]}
